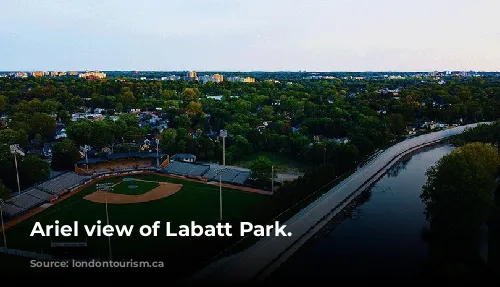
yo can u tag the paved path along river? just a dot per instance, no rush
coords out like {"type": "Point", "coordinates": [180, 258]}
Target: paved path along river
{"type": "Point", "coordinates": [261, 259]}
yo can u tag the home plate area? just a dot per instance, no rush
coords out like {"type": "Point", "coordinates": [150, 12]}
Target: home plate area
{"type": "Point", "coordinates": [134, 191]}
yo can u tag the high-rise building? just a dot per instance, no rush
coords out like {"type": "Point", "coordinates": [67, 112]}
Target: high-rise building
{"type": "Point", "coordinates": [217, 78]}
{"type": "Point", "coordinates": [191, 76]}
{"type": "Point", "coordinates": [38, 74]}
{"type": "Point", "coordinates": [93, 75]}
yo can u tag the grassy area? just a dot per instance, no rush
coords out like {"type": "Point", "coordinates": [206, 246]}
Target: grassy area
{"type": "Point", "coordinates": [194, 202]}
{"type": "Point", "coordinates": [281, 162]}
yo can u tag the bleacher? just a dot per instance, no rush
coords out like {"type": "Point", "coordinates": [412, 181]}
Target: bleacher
{"type": "Point", "coordinates": [11, 210]}
{"type": "Point", "coordinates": [198, 170]}
{"type": "Point", "coordinates": [62, 182]}
{"type": "Point", "coordinates": [241, 178]}
{"type": "Point", "coordinates": [38, 193]}
{"type": "Point", "coordinates": [41, 193]}
{"type": "Point", "coordinates": [179, 168]}
{"type": "Point", "coordinates": [25, 201]}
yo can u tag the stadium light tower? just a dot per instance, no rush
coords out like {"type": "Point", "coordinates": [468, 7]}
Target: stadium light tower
{"type": "Point", "coordinates": [106, 187]}
{"type": "Point", "coordinates": [223, 134]}
{"type": "Point", "coordinates": [272, 178]}
{"type": "Point", "coordinates": [157, 153]}
{"type": "Point", "coordinates": [86, 149]}
{"type": "Point", "coordinates": [220, 171]}
{"type": "Point", "coordinates": [15, 149]}
{"type": "Point", "coordinates": [3, 226]}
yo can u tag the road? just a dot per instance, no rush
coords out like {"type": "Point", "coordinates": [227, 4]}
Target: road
{"type": "Point", "coordinates": [262, 258]}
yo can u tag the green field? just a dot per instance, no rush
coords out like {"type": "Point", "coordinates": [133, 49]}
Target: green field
{"type": "Point", "coordinates": [194, 202]}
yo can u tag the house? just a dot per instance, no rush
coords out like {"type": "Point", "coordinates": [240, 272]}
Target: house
{"type": "Point", "coordinates": [47, 150]}
{"type": "Point", "coordinates": [185, 157]}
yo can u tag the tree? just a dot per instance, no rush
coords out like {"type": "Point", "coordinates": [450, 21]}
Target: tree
{"type": "Point", "coordinates": [191, 94]}
{"type": "Point", "coordinates": [126, 97]}
{"type": "Point", "coordinates": [4, 191]}
{"type": "Point", "coordinates": [261, 170]}
{"type": "Point", "coordinates": [64, 155]}
{"type": "Point", "coordinates": [194, 109]}
{"type": "Point", "coordinates": [3, 103]}
{"type": "Point", "coordinates": [33, 169]}
{"type": "Point", "coordinates": [10, 136]}
{"type": "Point", "coordinates": [168, 140]}
{"type": "Point", "coordinates": [459, 191]}
{"type": "Point", "coordinates": [43, 124]}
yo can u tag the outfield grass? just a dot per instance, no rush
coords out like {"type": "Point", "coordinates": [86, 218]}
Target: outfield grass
{"type": "Point", "coordinates": [194, 202]}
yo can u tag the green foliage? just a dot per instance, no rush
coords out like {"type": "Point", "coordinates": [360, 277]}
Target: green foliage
{"type": "Point", "coordinates": [4, 191]}
{"type": "Point", "coordinates": [33, 169]}
{"type": "Point", "coordinates": [64, 155]}
{"type": "Point", "coordinates": [261, 171]}
{"type": "Point", "coordinates": [459, 191]}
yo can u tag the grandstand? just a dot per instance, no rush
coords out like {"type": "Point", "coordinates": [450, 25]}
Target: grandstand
{"type": "Point", "coordinates": [231, 175]}
{"type": "Point", "coordinates": [179, 168]}
{"type": "Point", "coordinates": [62, 183]}
{"type": "Point", "coordinates": [42, 193]}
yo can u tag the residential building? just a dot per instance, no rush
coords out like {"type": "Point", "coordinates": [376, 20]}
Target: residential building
{"type": "Point", "coordinates": [183, 157]}
{"type": "Point", "coordinates": [93, 75]}
{"type": "Point", "coordinates": [241, 79]}
{"type": "Point", "coordinates": [191, 76]}
{"type": "Point", "coordinates": [38, 74]}
{"type": "Point", "coordinates": [215, 78]}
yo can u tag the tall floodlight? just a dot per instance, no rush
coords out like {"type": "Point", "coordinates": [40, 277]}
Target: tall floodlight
{"type": "Point", "coordinates": [3, 226]}
{"type": "Point", "coordinates": [219, 172]}
{"type": "Point", "coordinates": [157, 153]}
{"type": "Point", "coordinates": [15, 149]}
{"type": "Point", "coordinates": [272, 178]}
{"type": "Point", "coordinates": [223, 134]}
{"type": "Point", "coordinates": [106, 187]}
{"type": "Point", "coordinates": [86, 149]}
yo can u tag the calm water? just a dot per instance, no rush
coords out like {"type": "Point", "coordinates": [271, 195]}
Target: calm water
{"type": "Point", "coordinates": [379, 237]}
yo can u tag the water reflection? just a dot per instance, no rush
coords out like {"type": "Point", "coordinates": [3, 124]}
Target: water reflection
{"type": "Point", "coordinates": [378, 236]}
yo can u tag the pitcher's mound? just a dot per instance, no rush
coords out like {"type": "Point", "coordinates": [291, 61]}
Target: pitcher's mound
{"type": "Point", "coordinates": [163, 190]}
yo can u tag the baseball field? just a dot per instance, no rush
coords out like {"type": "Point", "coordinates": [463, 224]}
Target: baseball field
{"type": "Point", "coordinates": [138, 200]}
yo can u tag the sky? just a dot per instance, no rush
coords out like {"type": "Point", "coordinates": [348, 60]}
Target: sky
{"type": "Point", "coordinates": [252, 35]}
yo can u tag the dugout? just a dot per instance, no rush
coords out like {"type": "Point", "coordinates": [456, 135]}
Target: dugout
{"type": "Point", "coordinates": [70, 250]}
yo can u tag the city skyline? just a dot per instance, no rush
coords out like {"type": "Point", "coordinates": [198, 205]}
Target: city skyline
{"type": "Point", "coordinates": [245, 36]}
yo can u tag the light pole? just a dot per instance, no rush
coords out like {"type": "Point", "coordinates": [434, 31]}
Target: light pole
{"type": "Point", "coordinates": [223, 134]}
{"type": "Point", "coordinates": [86, 149]}
{"type": "Point", "coordinates": [324, 155]}
{"type": "Point", "coordinates": [272, 178]}
{"type": "Point", "coordinates": [3, 226]}
{"type": "Point", "coordinates": [220, 171]}
{"type": "Point", "coordinates": [157, 153]}
{"type": "Point", "coordinates": [105, 187]}
{"type": "Point", "coordinates": [15, 150]}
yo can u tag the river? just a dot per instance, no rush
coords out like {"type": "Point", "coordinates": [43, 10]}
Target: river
{"type": "Point", "coordinates": [381, 235]}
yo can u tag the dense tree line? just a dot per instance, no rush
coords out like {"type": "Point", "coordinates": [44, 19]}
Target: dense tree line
{"type": "Point", "coordinates": [462, 196]}
{"type": "Point", "coordinates": [298, 119]}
